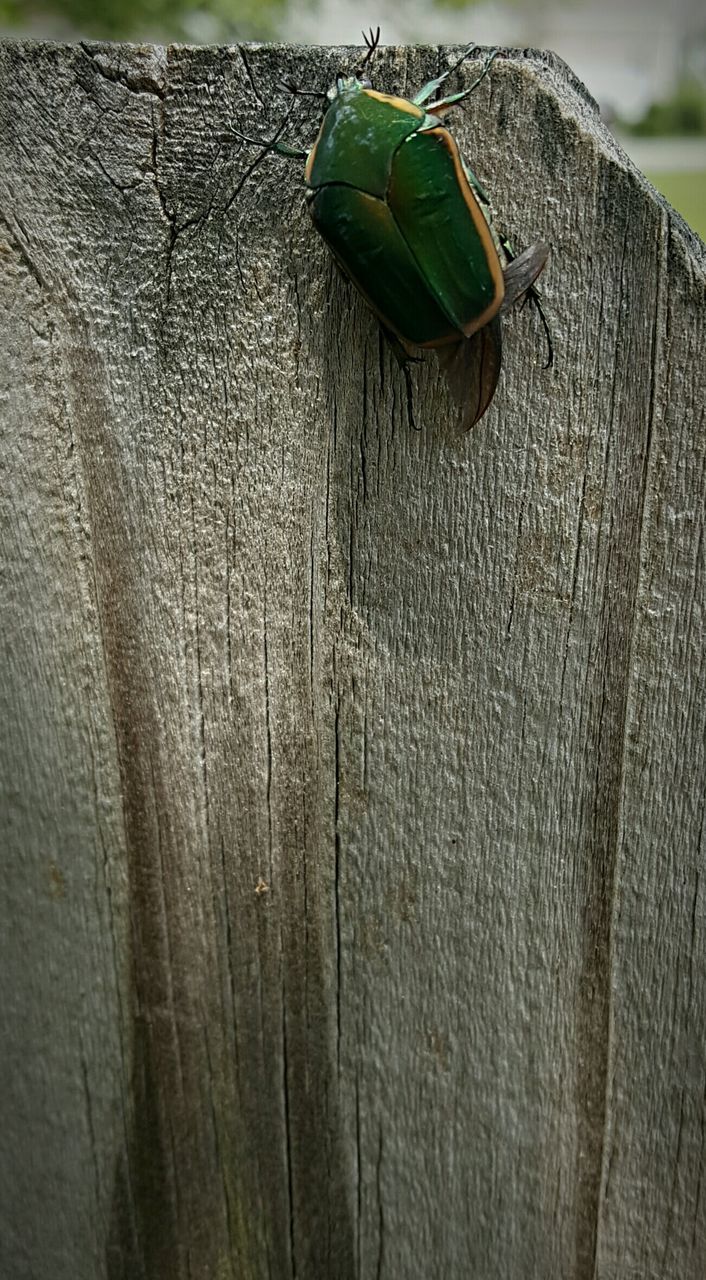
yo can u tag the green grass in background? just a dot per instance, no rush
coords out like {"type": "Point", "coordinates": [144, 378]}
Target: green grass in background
{"type": "Point", "coordinates": [687, 192]}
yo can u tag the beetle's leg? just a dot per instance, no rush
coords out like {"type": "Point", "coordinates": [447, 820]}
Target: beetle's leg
{"type": "Point", "coordinates": [403, 360]}
{"type": "Point", "coordinates": [273, 143]}
{"type": "Point", "coordinates": [520, 275]}
{"type": "Point", "coordinates": [437, 108]}
{"type": "Point", "coordinates": [434, 85]}
{"type": "Point", "coordinates": [292, 153]}
{"type": "Point", "coordinates": [478, 188]}
{"type": "Point", "coordinates": [410, 397]}
{"type": "Point", "coordinates": [296, 92]}
{"type": "Point", "coordinates": [535, 298]}
{"type": "Point", "coordinates": [279, 148]}
{"type": "Point", "coordinates": [398, 348]}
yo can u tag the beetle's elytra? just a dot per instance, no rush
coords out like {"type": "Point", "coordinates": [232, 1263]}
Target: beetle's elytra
{"type": "Point", "coordinates": [409, 223]}
{"type": "Point", "coordinates": [405, 223]}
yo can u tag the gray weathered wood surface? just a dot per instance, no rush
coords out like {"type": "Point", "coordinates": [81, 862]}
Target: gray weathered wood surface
{"type": "Point", "coordinates": [443, 695]}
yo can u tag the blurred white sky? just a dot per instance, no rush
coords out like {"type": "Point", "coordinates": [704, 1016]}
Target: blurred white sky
{"type": "Point", "coordinates": [627, 52]}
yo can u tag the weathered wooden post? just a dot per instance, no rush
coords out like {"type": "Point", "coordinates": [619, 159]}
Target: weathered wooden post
{"type": "Point", "coordinates": [354, 914]}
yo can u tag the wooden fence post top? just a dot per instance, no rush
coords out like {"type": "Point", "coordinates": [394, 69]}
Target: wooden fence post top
{"type": "Point", "coordinates": [353, 777]}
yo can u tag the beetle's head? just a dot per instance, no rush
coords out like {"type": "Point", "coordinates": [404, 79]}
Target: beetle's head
{"type": "Point", "coordinates": [350, 84]}
{"type": "Point", "coordinates": [354, 84]}
{"type": "Point", "coordinates": [346, 84]}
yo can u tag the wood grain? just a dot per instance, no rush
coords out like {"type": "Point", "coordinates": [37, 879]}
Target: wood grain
{"type": "Point", "coordinates": [353, 777]}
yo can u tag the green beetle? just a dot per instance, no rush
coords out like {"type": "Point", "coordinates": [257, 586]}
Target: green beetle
{"type": "Point", "coordinates": [409, 224]}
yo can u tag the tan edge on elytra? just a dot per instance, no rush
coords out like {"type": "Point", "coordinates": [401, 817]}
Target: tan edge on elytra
{"type": "Point", "coordinates": [483, 230]}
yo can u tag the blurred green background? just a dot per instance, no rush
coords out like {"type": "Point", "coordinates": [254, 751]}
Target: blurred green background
{"type": "Point", "coordinates": [686, 191]}
{"type": "Point", "coordinates": [644, 63]}
{"type": "Point", "coordinates": [201, 21]}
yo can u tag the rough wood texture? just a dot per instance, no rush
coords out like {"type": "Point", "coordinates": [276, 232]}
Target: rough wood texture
{"type": "Point", "coordinates": [444, 695]}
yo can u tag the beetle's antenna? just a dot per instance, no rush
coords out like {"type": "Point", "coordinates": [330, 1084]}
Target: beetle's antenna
{"type": "Point", "coordinates": [372, 40]}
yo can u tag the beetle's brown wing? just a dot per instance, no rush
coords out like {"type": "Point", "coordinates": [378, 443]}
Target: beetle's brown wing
{"type": "Point", "coordinates": [519, 277]}
{"type": "Point", "coordinates": [472, 368]}
{"type": "Point", "coordinates": [521, 274]}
